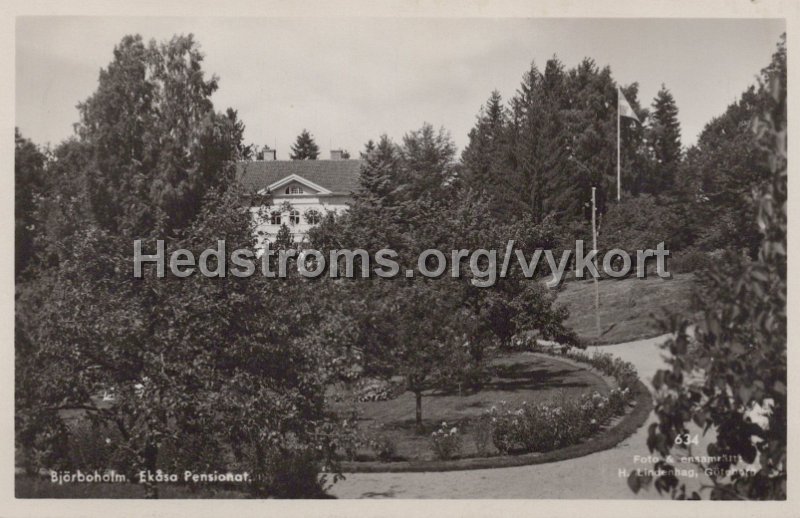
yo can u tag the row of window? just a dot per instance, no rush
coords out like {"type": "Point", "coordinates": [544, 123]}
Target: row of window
{"type": "Point", "coordinates": [313, 217]}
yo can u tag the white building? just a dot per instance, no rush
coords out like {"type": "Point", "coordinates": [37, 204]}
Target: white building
{"type": "Point", "coordinates": [302, 191]}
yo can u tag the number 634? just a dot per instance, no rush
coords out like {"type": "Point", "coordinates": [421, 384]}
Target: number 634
{"type": "Point", "coordinates": [687, 438]}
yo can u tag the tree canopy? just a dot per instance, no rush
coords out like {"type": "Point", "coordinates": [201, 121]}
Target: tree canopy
{"type": "Point", "coordinates": [204, 373]}
{"type": "Point", "coordinates": [304, 147]}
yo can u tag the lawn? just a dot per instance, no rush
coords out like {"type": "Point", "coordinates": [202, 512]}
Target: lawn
{"type": "Point", "coordinates": [627, 306]}
{"type": "Point", "coordinates": [516, 378]}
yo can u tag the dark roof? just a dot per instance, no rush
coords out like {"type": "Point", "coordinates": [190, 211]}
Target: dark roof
{"type": "Point", "coordinates": [338, 176]}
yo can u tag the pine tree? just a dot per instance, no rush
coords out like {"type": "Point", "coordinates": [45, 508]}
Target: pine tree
{"type": "Point", "coordinates": [377, 177]}
{"type": "Point", "coordinates": [556, 141]}
{"type": "Point", "coordinates": [304, 147]}
{"type": "Point", "coordinates": [483, 155]}
{"type": "Point", "coordinates": [665, 137]}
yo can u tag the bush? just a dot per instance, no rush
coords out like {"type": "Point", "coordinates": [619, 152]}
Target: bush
{"type": "Point", "coordinates": [482, 433]}
{"type": "Point", "coordinates": [688, 261]}
{"type": "Point", "coordinates": [293, 474]}
{"type": "Point", "coordinates": [375, 389]}
{"type": "Point", "coordinates": [90, 446]}
{"type": "Point", "coordinates": [617, 400]}
{"type": "Point", "coordinates": [446, 443]}
{"type": "Point", "coordinates": [556, 424]}
{"type": "Point", "coordinates": [503, 431]}
{"type": "Point", "coordinates": [385, 447]}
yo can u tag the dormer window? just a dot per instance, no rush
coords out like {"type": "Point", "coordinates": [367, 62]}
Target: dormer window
{"type": "Point", "coordinates": [294, 190]}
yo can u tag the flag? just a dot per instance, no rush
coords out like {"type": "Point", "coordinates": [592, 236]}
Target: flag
{"type": "Point", "coordinates": [624, 107]}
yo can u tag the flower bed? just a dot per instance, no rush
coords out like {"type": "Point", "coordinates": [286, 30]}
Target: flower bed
{"type": "Point", "coordinates": [546, 427]}
{"type": "Point", "coordinates": [533, 433]}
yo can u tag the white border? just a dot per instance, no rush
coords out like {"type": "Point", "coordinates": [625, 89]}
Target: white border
{"type": "Point", "coordinates": [398, 8]}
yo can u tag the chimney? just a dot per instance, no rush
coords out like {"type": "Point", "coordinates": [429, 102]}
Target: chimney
{"type": "Point", "coordinates": [269, 155]}
{"type": "Point", "coordinates": [336, 154]}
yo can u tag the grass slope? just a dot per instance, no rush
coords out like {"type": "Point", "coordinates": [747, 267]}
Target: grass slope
{"type": "Point", "coordinates": [627, 306]}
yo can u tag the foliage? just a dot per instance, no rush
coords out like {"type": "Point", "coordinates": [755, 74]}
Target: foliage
{"type": "Point", "coordinates": [157, 145]}
{"type": "Point", "coordinates": [664, 142]}
{"type": "Point", "coordinates": [304, 147]}
{"type": "Point", "coordinates": [150, 343]}
{"type": "Point", "coordinates": [729, 375]}
{"type": "Point", "coordinates": [547, 426]}
{"type": "Point", "coordinates": [690, 260]}
{"type": "Point", "coordinates": [725, 167]}
{"type": "Point", "coordinates": [481, 433]}
{"type": "Point", "coordinates": [446, 442]}
{"type": "Point", "coordinates": [206, 373]}
{"type": "Point", "coordinates": [284, 239]}
{"type": "Point", "coordinates": [385, 447]}
{"type": "Point", "coordinates": [433, 332]}
{"type": "Point", "coordinates": [557, 139]}
{"type": "Point", "coordinates": [29, 182]}
{"type": "Point", "coordinates": [376, 389]}
{"type": "Point", "coordinates": [562, 422]}
{"type": "Point", "coordinates": [642, 222]}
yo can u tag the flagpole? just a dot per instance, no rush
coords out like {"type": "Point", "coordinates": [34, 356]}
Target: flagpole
{"type": "Point", "coordinates": [619, 175]}
{"type": "Point", "coordinates": [594, 249]}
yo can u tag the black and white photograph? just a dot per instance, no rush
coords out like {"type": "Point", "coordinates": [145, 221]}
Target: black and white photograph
{"type": "Point", "coordinates": [399, 257]}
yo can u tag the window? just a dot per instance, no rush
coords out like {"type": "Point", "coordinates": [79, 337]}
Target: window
{"type": "Point", "coordinates": [294, 190]}
{"type": "Point", "coordinates": [275, 218]}
{"type": "Point", "coordinates": [294, 217]}
{"type": "Point", "coordinates": [313, 217]}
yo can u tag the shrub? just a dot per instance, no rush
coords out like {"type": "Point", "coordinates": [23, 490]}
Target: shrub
{"type": "Point", "coordinates": [375, 389]}
{"type": "Point", "coordinates": [502, 431]}
{"type": "Point", "coordinates": [90, 446]}
{"type": "Point", "coordinates": [385, 447]}
{"type": "Point", "coordinates": [446, 443]}
{"type": "Point", "coordinates": [294, 474]}
{"type": "Point", "coordinates": [556, 424]}
{"type": "Point", "coordinates": [617, 399]}
{"type": "Point", "coordinates": [691, 260]}
{"type": "Point", "coordinates": [482, 433]}
{"type": "Point", "coordinates": [562, 422]}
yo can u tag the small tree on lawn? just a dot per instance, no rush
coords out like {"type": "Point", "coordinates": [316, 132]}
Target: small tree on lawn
{"type": "Point", "coordinates": [422, 333]}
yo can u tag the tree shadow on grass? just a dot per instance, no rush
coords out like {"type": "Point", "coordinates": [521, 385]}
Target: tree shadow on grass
{"type": "Point", "coordinates": [522, 375]}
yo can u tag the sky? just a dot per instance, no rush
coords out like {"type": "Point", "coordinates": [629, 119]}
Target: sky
{"type": "Point", "coordinates": [348, 80]}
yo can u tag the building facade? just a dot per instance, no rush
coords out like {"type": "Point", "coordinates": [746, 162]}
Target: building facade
{"type": "Point", "coordinates": [301, 191]}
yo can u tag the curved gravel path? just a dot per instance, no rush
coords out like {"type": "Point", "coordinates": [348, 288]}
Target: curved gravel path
{"type": "Point", "coordinates": [597, 475]}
